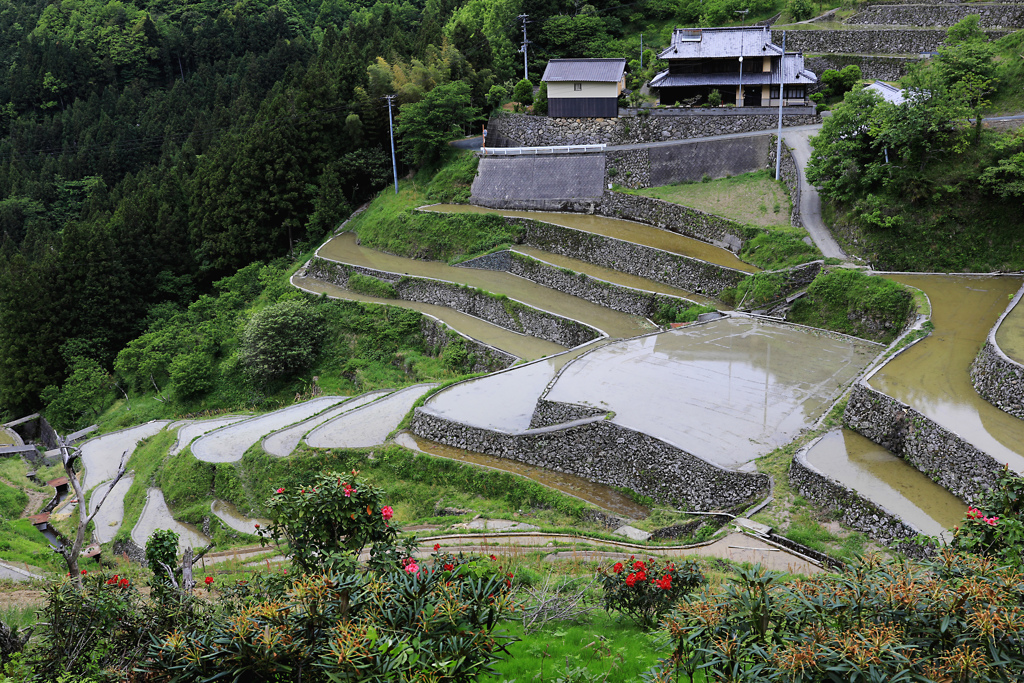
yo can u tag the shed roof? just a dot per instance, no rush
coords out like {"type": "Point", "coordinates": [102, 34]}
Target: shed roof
{"type": "Point", "coordinates": [602, 70]}
{"type": "Point", "coordinates": [889, 92]}
{"type": "Point", "coordinates": [793, 66]}
{"type": "Point", "coordinates": [729, 41]}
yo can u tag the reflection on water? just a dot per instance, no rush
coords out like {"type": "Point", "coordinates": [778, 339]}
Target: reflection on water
{"type": "Point", "coordinates": [283, 442]}
{"type": "Point", "coordinates": [888, 481]}
{"type": "Point", "coordinates": [600, 495]}
{"type": "Point", "coordinates": [933, 376]}
{"type": "Point", "coordinates": [1010, 335]}
{"type": "Point", "coordinates": [519, 345]}
{"type": "Point", "coordinates": [229, 514]}
{"type": "Point", "coordinates": [343, 248]}
{"type": "Point", "coordinates": [620, 229]}
{"type": "Point", "coordinates": [369, 425]}
{"type": "Point", "coordinates": [727, 391]}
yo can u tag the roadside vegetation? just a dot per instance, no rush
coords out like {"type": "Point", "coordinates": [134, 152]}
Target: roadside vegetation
{"type": "Point", "coordinates": [848, 301]}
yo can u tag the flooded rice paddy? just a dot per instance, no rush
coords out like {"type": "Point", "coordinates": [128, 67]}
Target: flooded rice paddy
{"type": "Point", "coordinates": [627, 231]}
{"type": "Point", "coordinates": [600, 495]}
{"type": "Point", "coordinates": [933, 376]}
{"type": "Point", "coordinates": [156, 515]}
{"type": "Point", "coordinates": [519, 345]}
{"type": "Point", "coordinates": [368, 425]}
{"type": "Point", "coordinates": [344, 249]}
{"type": "Point", "coordinates": [727, 391]}
{"type": "Point", "coordinates": [1010, 335]}
{"type": "Point", "coordinates": [229, 514]}
{"type": "Point", "coordinates": [190, 430]}
{"type": "Point", "coordinates": [282, 443]}
{"type": "Point", "coordinates": [886, 480]}
{"type": "Point", "coordinates": [102, 456]}
{"type": "Point", "coordinates": [229, 444]}
{"type": "Point", "coordinates": [107, 521]}
{"type": "Point", "coordinates": [7, 437]}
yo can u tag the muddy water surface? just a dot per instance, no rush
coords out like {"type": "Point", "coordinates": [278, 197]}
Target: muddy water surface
{"type": "Point", "coordinates": [344, 249]}
{"type": "Point", "coordinates": [884, 479]}
{"type": "Point", "coordinates": [519, 345]}
{"type": "Point", "coordinates": [620, 229]}
{"type": "Point", "coordinates": [189, 430]}
{"type": "Point", "coordinates": [933, 376]}
{"type": "Point", "coordinates": [102, 455]}
{"type": "Point", "coordinates": [282, 443]}
{"type": "Point", "coordinates": [156, 515]}
{"type": "Point", "coordinates": [107, 521]}
{"type": "Point", "coordinates": [229, 514]}
{"type": "Point", "coordinates": [600, 495]}
{"type": "Point", "coordinates": [368, 425]}
{"type": "Point", "coordinates": [1010, 335]}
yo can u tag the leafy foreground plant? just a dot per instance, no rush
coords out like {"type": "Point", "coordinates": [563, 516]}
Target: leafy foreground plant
{"type": "Point", "coordinates": [644, 591]}
{"type": "Point", "coordinates": [999, 533]}
{"type": "Point", "coordinates": [958, 618]}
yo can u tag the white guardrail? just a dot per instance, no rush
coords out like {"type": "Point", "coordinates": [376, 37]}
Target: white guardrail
{"type": "Point", "coordinates": [555, 149]}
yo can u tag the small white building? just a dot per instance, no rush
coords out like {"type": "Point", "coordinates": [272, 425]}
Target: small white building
{"type": "Point", "coordinates": [585, 87]}
{"type": "Point", "coordinates": [889, 93]}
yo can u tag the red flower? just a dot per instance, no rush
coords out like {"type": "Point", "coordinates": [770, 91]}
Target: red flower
{"type": "Point", "coordinates": [387, 513]}
{"type": "Point", "coordinates": [493, 558]}
{"type": "Point", "coordinates": [280, 490]}
{"type": "Point", "coordinates": [348, 490]}
{"type": "Point", "coordinates": [208, 580]}
{"type": "Point", "coordinates": [641, 576]}
{"type": "Point", "coordinates": [617, 568]}
{"type": "Point", "coordinates": [257, 526]}
{"type": "Point", "coordinates": [437, 546]}
{"type": "Point", "coordinates": [665, 583]}
{"type": "Point", "coordinates": [631, 580]}
{"type": "Point", "coordinates": [84, 572]}
{"type": "Point", "coordinates": [449, 566]}
{"type": "Point", "coordinates": [125, 582]}
{"type": "Point", "coordinates": [639, 566]}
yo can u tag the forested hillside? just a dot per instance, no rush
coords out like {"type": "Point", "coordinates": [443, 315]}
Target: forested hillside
{"type": "Point", "coordinates": [152, 148]}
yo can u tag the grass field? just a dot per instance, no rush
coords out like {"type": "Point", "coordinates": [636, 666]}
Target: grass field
{"type": "Point", "coordinates": [754, 198]}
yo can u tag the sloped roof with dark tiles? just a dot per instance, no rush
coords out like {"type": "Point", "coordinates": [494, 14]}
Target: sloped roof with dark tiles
{"type": "Point", "coordinates": [793, 64]}
{"type": "Point", "coordinates": [710, 43]}
{"type": "Point", "coordinates": [603, 70]}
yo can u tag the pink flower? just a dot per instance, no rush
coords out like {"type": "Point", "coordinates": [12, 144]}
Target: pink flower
{"type": "Point", "coordinates": [992, 520]}
{"type": "Point", "coordinates": [412, 567]}
{"type": "Point", "coordinates": [348, 490]}
{"type": "Point", "coordinates": [387, 513]}
{"type": "Point", "coordinates": [280, 490]}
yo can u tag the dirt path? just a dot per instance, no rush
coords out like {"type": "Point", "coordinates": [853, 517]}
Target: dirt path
{"type": "Point", "coordinates": [36, 499]}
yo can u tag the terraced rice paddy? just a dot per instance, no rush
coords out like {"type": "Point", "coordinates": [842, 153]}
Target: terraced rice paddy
{"type": "Point", "coordinates": [102, 456]}
{"type": "Point", "coordinates": [283, 442]}
{"type": "Point", "coordinates": [156, 515]}
{"type": "Point", "coordinates": [1010, 335]}
{"type": "Point", "coordinates": [229, 514]}
{"type": "Point", "coordinates": [368, 425]}
{"type": "Point", "coordinates": [190, 430]}
{"type": "Point", "coordinates": [107, 521]}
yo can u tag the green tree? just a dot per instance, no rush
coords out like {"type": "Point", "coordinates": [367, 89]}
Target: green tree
{"type": "Point", "coordinates": [496, 96]}
{"type": "Point", "coordinates": [281, 340]}
{"type": "Point", "coordinates": [523, 93]}
{"type": "Point", "coordinates": [540, 104]}
{"type": "Point", "coordinates": [801, 9]}
{"type": "Point", "coordinates": [82, 396]}
{"type": "Point", "coordinates": [426, 127]}
{"type": "Point", "coordinates": [191, 374]}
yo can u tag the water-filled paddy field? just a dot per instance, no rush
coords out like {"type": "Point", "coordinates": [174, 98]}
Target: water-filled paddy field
{"type": "Point", "coordinates": [1010, 335]}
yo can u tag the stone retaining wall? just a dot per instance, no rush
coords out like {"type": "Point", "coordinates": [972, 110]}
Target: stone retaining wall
{"type": "Point", "coordinates": [871, 67]}
{"type": "Point", "coordinates": [521, 130]}
{"type": "Point", "coordinates": [790, 176]}
{"type": "Point", "coordinates": [604, 452]}
{"type": "Point", "coordinates": [992, 15]}
{"type": "Point", "coordinates": [667, 268]}
{"type": "Point", "coordinates": [854, 510]}
{"type": "Point", "coordinates": [629, 168]}
{"type": "Point", "coordinates": [867, 41]}
{"type": "Point", "coordinates": [999, 380]}
{"type": "Point", "coordinates": [957, 466]}
{"type": "Point", "coordinates": [499, 310]}
{"type": "Point", "coordinates": [131, 550]}
{"type": "Point", "coordinates": [549, 413]}
{"type": "Point", "coordinates": [438, 336]}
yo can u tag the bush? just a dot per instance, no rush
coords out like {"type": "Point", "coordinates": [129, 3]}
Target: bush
{"type": "Point", "coordinates": [714, 98]}
{"type": "Point", "coordinates": [644, 591]}
{"type": "Point", "coordinates": [994, 529]}
{"type": "Point", "coordinates": [281, 340]}
{"type": "Point", "coordinates": [12, 502]}
{"type": "Point", "coordinates": [191, 374]}
{"type": "Point", "coordinates": [801, 9]}
{"type": "Point", "coordinates": [540, 105]}
{"type": "Point", "coordinates": [523, 93]}
{"type": "Point", "coordinates": [957, 618]}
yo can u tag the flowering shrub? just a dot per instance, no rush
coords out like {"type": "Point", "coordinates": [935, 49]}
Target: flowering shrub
{"type": "Point", "coordinates": [1000, 533]}
{"type": "Point", "coordinates": [329, 521]}
{"type": "Point", "coordinates": [957, 618]}
{"type": "Point", "coordinates": [644, 591]}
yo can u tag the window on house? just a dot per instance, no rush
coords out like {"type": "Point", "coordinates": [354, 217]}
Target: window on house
{"type": "Point", "coordinates": [577, 86]}
{"type": "Point", "coordinates": [793, 92]}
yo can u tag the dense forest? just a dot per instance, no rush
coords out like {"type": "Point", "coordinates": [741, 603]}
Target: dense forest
{"type": "Point", "coordinates": [150, 149]}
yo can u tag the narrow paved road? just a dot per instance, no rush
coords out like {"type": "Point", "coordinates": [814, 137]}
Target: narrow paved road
{"type": "Point", "coordinates": [799, 142]}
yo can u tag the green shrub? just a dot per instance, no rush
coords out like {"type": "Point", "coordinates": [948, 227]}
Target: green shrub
{"type": "Point", "coordinates": [281, 340]}
{"type": "Point", "coordinates": [801, 9]}
{"type": "Point", "coordinates": [994, 528]}
{"type": "Point", "coordinates": [759, 288]}
{"type": "Point", "coordinates": [779, 247]}
{"type": "Point", "coordinates": [12, 502]}
{"type": "Point", "coordinates": [714, 98]}
{"type": "Point", "coordinates": [452, 184]}
{"type": "Point", "coordinates": [371, 286]}
{"type": "Point", "coordinates": [644, 591]}
{"type": "Point", "coordinates": [848, 301]}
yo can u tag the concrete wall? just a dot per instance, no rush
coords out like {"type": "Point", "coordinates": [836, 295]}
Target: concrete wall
{"type": "Point", "coordinates": [871, 67]}
{"type": "Point", "coordinates": [548, 177]}
{"type": "Point", "coordinates": [604, 452]}
{"type": "Point", "coordinates": [484, 358]}
{"type": "Point", "coordinates": [501, 311]}
{"type": "Point", "coordinates": [854, 510]}
{"type": "Point", "coordinates": [959, 467]}
{"type": "Point", "coordinates": [867, 41]}
{"type": "Point", "coordinates": [520, 130]}
{"type": "Point", "coordinates": [998, 378]}
{"type": "Point", "coordinates": [567, 90]}
{"type": "Point", "coordinates": [992, 15]}
{"type": "Point", "coordinates": [715, 158]}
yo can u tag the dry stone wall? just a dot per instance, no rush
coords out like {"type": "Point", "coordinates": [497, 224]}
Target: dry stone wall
{"type": "Point", "coordinates": [484, 358]}
{"type": "Point", "coordinates": [867, 41]}
{"type": "Point", "coordinates": [854, 510]}
{"type": "Point", "coordinates": [957, 466]}
{"type": "Point", "coordinates": [604, 452]}
{"type": "Point", "coordinates": [790, 176]}
{"type": "Point", "coordinates": [548, 413]}
{"type": "Point", "coordinates": [520, 130]}
{"type": "Point", "coordinates": [871, 66]}
{"type": "Point", "coordinates": [991, 15]}
{"type": "Point", "coordinates": [667, 268]}
{"type": "Point", "coordinates": [999, 380]}
{"type": "Point", "coordinates": [499, 310]}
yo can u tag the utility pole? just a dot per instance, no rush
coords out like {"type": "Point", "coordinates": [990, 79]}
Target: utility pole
{"type": "Point", "coordinates": [391, 126]}
{"type": "Point", "coordinates": [739, 100]}
{"type": "Point", "coordinates": [641, 52]}
{"type": "Point", "coordinates": [524, 17]}
{"type": "Point", "coordinates": [782, 85]}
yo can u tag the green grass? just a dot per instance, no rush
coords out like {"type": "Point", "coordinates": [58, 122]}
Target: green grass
{"type": "Point", "coordinates": [752, 198]}
{"type": "Point", "coordinates": [12, 502]}
{"type": "Point", "coordinates": [779, 246]}
{"type": "Point", "coordinates": [451, 184]}
{"type": "Point", "coordinates": [146, 461]}
{"type": "Point", "coordinates": [371, 286]}
{"type": "Point", "coordinates": [848, 301]}
{"type": "Point", "coordinates": [20, 542]}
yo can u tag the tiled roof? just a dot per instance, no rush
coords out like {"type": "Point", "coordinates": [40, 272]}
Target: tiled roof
{"type": "Point", "coordinates": [603, 70]}
{"type": "Point", "coordinates": [707, 43]}
{"type": "Point", "coordinates": [793, 64]}
{"type": "Point", "coordinates": [888, 92]}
